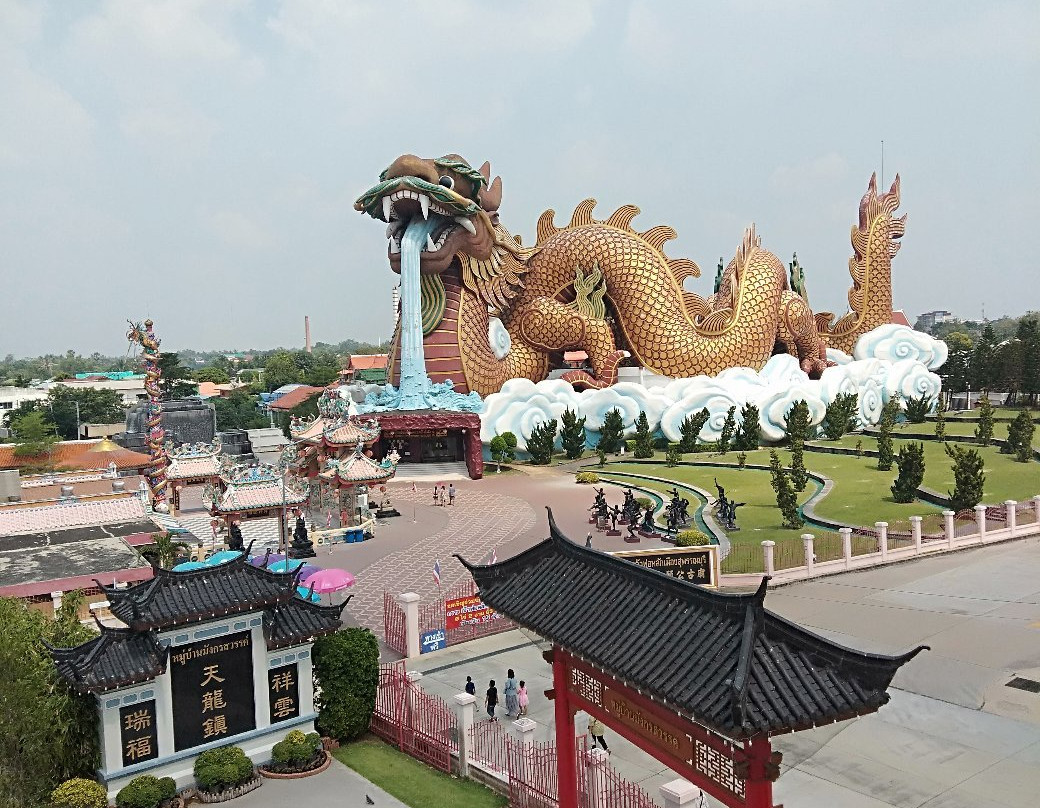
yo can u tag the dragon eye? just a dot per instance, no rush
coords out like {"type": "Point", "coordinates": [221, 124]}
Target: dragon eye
{"type": "Point", "coordinates": [447, 182]}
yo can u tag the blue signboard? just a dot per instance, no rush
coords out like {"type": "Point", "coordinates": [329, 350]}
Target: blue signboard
{"type": "Point", "coordinates": [432, 640]}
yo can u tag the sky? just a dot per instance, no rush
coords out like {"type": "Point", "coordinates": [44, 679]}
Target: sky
{"type": "Point", "coordinates": [196, 161]}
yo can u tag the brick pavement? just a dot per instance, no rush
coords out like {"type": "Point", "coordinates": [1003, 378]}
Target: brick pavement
{"type": "Point", "coordinates": [480, 522]}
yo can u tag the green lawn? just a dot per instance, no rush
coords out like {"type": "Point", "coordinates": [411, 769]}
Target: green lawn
{"type": "Point", "coordinates": [998, 412]}
{"type": "Point", "coordinates": [1006, 478]}
{"type": "Point", "coordinates": [962, 428]}
{"type": "Point", "coordinates": [412, 782]}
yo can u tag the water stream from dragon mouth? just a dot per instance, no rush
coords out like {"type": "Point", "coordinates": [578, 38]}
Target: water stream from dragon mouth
{"type": "Point", "coordinates": [415, 384]}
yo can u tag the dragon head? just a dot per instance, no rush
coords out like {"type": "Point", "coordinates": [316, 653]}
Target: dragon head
{"type": "Point", "coordinates": [464, 201]}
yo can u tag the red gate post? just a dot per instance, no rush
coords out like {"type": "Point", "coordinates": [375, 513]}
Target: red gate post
{"type": "Point", "coordinates": [565, 752]}
{"type": "Point", "coordinates": [758, 788]}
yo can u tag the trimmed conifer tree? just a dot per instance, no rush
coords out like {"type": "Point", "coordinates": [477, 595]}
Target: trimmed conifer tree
{"type": "Point", "coordinates": [840, 416]}
{"type": "Point", "coordinates": [797, 424]}
{"type": "Point", "coordinates": [690, 429]}
{"type": "Point", "coordinates": [885, 427]}
{"type": "Point", "coordinates": [917, 409]}
{"type": "Point", "coordinates": [572, 434]}
{"type": "Point", "coordinates": [644, 442]}
{"type": "Point", "coordinates": [1020, 438]}
{"type": "Point", "coordinates": [984, 431]}
{"type": "Point", "coordinates": [968, 477]}
{"type": "Point", "coordinates": [612, 433]}
{"type": "Point", "coordinates": [786, 499]}
{"type": "Point", "coordinates": [748, 434]}
{"type": "Point", "coordinates": [540, 443]}
{"type": "Point", "coordinates": [910, 461]}
{"type": "Point", "coordinates": [728, 427]}
{"type": "Point", "coordinates": [940, 417]}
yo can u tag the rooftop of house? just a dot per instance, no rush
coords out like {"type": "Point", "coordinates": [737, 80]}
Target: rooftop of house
{"type": "Point", "coordinates": [75, 455]}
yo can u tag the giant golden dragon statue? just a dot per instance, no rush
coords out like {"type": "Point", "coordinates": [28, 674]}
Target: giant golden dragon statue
{"type": "Point", "coordinates": [494, 309]}
{"type": "Point", "coordinates": [144, 336]}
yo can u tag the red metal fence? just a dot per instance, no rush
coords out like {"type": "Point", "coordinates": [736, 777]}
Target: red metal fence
{"type": "Point", "coordinates": [418, 723]}
{"type": "Point", "coordinates": [393, 625]}
{"type": "Point", "coordinates": [432, 616]}
{"type": "Point", "coordinates": [600, 785]}
{"type": "Point", "coordinates": [532, 775]}
{"type": "Point", "coordinates": [489, 747]}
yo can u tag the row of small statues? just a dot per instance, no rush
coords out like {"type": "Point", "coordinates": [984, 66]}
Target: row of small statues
{"type": "Point", "coordinates": [630, 513]}
{"type": "Point", "coordinates": [677, 511]}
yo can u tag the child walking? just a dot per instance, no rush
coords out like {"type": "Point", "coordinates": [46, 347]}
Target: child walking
{"type": "Point", "coordinates": [521, 696]}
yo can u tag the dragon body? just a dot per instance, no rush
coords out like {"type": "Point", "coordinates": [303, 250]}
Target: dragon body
{"type": "Point", "coordinates": [493, 309]}
{"type": "Point", "coordinates": [144, 336]}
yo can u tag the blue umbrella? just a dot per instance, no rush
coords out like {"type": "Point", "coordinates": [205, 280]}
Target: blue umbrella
{"type": "Point", "coordinates": [187, 566]}
{"type": "Point", "coordinates": [222, 557]}
{"type": "Point", "coordinates": [306, 594]}
{"type": "Point", "coordinates": [286, 565]}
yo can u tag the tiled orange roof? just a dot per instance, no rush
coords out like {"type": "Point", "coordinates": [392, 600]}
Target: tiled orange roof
{"type": "Point", "coordinates": [75, 454]}
{"type": "Point", "coordinates": [898, 318]}
{"type": "Point", "coordinates": [367, 361]}
{"type": "Point", "coordinates": [294, 397]}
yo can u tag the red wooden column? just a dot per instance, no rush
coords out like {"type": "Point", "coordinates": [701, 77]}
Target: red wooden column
{"type": "Point", "coordinates": [758, 788]}
{"type": "Point", "coordinates": [565, 754]}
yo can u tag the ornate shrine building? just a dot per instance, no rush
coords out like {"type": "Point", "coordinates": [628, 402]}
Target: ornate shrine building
{"type": "Point", "coordinates": [254, 491]}
{"type": "Point", "coordinates": [433, 436]}
{"type": "Point", "coordinates": [209, 657]}
{"type": "Point", "coordinates": [334, 454]}
{"type": "Point", "coordinates": [699, 679]}
{"type": "Point", "coordinates": [192, 464]}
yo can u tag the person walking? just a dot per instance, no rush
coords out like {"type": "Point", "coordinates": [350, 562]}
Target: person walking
{"type": "Point", "coordinates": [491, 700]}
{"type": "Point", "coordinates": [521, 697]}
{"type": "Point", "coordinates": [436, 495]}
{"type": "Point", "coordinates": [470, 687]}
{"type": "Point", "coordinates": [509, 690]}
{"type": "Point", "coordinates": [596, 731]}
{"type": "Point", "coordinates": [444, 496]}
{"type": "Point", "coordinates": [451, 494]}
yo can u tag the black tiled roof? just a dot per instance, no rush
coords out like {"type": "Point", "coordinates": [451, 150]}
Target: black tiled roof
{"type": "Point", "coordinates": [174, 598]}
{"type": "Point", "coordinates": [300, 621]}
{"type": "Point", "coordinates": [116, 658]}
{"type": "Point", "coordinates": [721, 659]}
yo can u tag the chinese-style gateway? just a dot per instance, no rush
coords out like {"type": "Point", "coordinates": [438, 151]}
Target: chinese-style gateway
{"type": "Point", "coordinates": [209, 657]}
{"type": "Point", "coordinates": [698, 679]}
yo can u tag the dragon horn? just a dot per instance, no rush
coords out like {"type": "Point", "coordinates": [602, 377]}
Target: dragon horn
{"type": "Point", "coordinates": [491, 199]}
{"type": "Point", "coordinates": [486, 170]}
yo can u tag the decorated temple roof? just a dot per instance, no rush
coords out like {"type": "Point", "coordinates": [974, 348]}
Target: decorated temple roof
{"type": "Point", "coordinates": [334, 425]}
{"type": "Point", "coordinates": [721, 659]}
{"type": "Point", "coordinates": [115, 658]}
{"type": "Point", "coordinates": [15, 519]}
{"type": "Point", "coordinates": [175, 598]}
{"type": "Point", "coordinates": [75, 455]}
{"type": "Point", "coordinates": [257, 487]}
{"type": "Point", "coordinates": [300, 621]}
{"type": "Point", "coordinates": [193, 460]}
{"type": "Point", "coordinates": [359, 468]}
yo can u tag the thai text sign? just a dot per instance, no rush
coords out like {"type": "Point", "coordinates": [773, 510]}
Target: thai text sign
{"type": "Point", "coordinates": [138, 734]}
{"type": "Point", "coordinates": [283, 689]}
{"type": "Point", "coordinates": [698, 565]}
{"type": "Point", "coordinates": [432, 640]}
{"type": "Point", "coordinates": [212, 683]}
{"type": "Point", "coordinates": [466, 612]}
{"type": "Point", "coordinates": [661, 734]}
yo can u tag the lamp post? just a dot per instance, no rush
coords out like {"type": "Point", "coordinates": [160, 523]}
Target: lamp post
{"type": "Point", "coordinates": [282, 540]}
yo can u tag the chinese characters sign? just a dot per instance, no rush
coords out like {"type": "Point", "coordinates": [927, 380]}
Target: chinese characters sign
{"type": "Point", "coordinates": [284, 692]}
{"type": "Point", "coordinates": [466, 612]}
{"type": "Point", "coordinates": [212, 690]}
{"type": "Point", "coordinates": [698, 565]}
{"type": "Point", "coordinates": [138, 734]}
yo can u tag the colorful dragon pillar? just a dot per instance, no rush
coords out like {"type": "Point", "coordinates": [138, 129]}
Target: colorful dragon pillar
{"type": "Point", "coordinates": [144, 336]}
{"type": "Point", "coordinates": [493, 309]}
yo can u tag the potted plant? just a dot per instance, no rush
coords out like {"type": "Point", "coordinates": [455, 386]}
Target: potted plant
{"type": "Point", "coordinates": [297, 754]}
{"type": "Point", "coordinates": [224, 773]}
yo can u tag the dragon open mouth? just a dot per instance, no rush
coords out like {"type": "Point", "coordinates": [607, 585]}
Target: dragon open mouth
{"type": "Point", "coordinates": [459, 224]}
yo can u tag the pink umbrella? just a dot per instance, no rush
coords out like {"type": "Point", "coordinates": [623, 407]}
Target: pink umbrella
{"type": "Point", "coordinates": [330, 580]}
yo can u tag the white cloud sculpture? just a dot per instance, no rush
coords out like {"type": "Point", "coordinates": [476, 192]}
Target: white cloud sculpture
{"type": "Point", "coordinates": [887, 361]}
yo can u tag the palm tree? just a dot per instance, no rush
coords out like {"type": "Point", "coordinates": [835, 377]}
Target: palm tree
{"type": "Point", "coordinates": [164, 549]}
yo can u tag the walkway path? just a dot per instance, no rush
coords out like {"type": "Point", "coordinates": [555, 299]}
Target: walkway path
{"type": "Point", "coordinates": [336, 787]}
{"type": "Point", "coordinates": [479, 522]}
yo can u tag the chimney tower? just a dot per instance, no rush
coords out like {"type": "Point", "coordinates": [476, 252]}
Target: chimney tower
{"type": "Point", "coordinates": [307, 332]}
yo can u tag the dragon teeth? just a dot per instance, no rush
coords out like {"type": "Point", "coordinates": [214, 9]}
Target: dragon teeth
{"type": "Point", "coordinates": [388, 207]}
{"type": "Point", "coordinates": [466, 222]}
{"type": "Point", "coordinates": [430, 246]}
{"type": "Point", "coordinates": [424, 203]}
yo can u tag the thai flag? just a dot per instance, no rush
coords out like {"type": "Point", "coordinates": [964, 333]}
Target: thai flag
{"type": "Point", "coordinates": [437, 572]}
